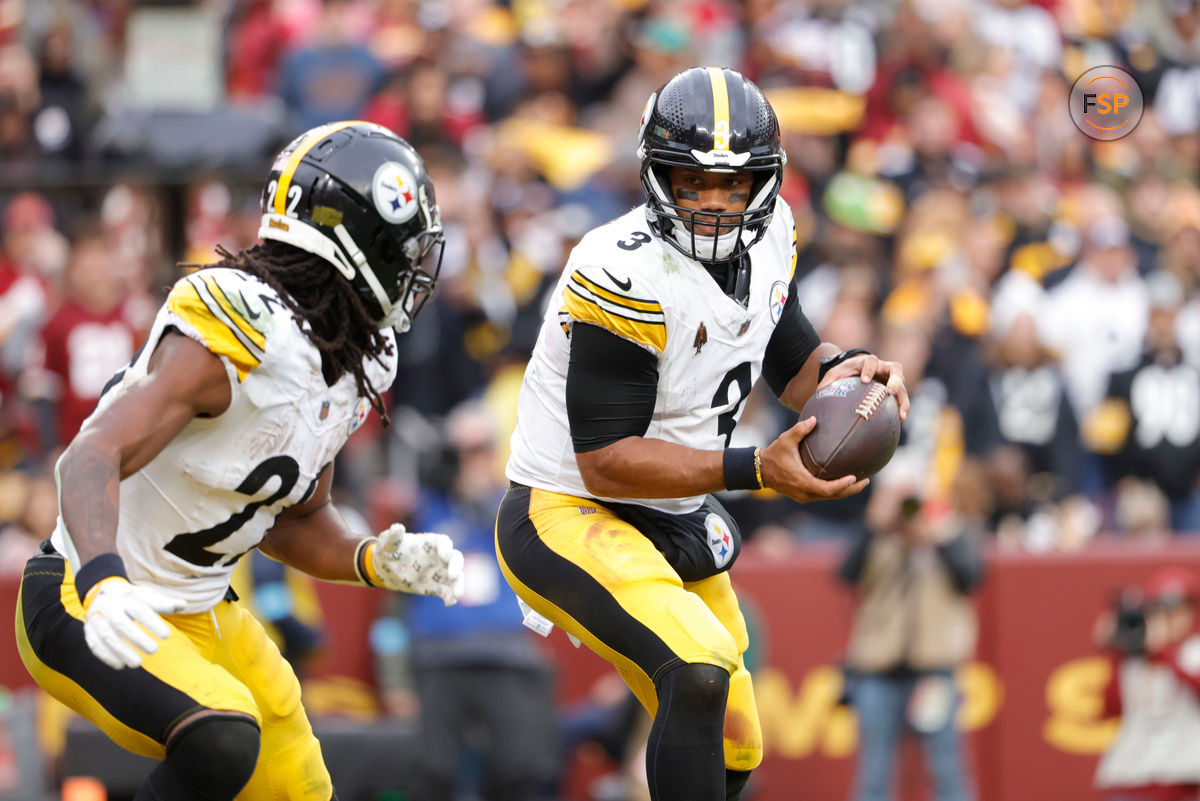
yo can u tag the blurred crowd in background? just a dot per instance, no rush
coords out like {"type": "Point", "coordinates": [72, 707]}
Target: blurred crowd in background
{"type": "Point", "coordinates": [1039, 287]}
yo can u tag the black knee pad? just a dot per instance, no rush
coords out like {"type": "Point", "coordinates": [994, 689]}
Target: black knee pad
{"type": "Point", "coordinates": [211, 759]}
{"type": "Point", "coordinates": [700, 689]}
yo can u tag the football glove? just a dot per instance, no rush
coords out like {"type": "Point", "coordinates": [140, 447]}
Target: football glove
{"type": "Point", "coordinates": [121, 621]}
{"type": "Point", "coordinates": [422, 564]}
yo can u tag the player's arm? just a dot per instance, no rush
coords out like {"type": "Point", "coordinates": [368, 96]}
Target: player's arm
{"type": "Point", "coordinates": [611, 389]}
{"type": "Point", "coordinates": [797, 362]}
{"type": "Point", "coordinates": [312, 537]}
{"type": "Point", "coordinates": [184, 380]}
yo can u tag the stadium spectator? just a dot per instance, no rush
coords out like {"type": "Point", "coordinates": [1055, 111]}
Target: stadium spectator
{"type": "Point", "coordinates": [32, 502]}
{"type": "Point", "coordinates": [333, 77]}
{"type": "Point", "coordinates": [1096, 317]}
{"type": "Point", "coordinates": [1154, 687]}
{"type": "Point", "coordinates": [1027, 393]}
{"type": "Point", "coordinates": [88, 339]}
{"type": "Point", "coordinates": [912, 575]}
{"type": "Point", "coordinates": [480, 680]}
{"type": "Point", "coordinates": [1154, 430]}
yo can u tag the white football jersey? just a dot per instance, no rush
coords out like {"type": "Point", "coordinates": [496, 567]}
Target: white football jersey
{"type": "Point", "coordinates": [215, 489]}
{"type": "Point", "coordinates": [710, 348]}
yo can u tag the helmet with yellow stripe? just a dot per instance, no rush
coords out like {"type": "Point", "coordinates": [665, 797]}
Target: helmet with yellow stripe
{"type": "Point", "coordinates": [715, 120]}
{"type": "Point", "coordinates": [358, 196]}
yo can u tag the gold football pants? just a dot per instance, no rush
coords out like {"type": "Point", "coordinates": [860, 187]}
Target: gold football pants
{"type": "Point", "coordinates": [218, 660]}
{"type": "Point", "coordinates": [598, 578]}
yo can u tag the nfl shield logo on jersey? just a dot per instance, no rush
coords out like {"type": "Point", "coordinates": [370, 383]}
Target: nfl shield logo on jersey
{"type": "Point", "coordinates": [720, 541]}
{"type": "Point", "coordinates": [778, 298]}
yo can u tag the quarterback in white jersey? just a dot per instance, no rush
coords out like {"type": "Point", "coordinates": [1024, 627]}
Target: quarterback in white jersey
{"type": "Point", "coordinates": [663, 321]}
{"type": "Point", "coordinates": [709, 347]}
{"type": "Point", "coordinates": [218, 438]}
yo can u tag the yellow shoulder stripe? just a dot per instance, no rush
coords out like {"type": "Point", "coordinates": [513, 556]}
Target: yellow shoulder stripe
{"type": "Point", "coordinates": [637, 304]}
{"type": "Point", "coordinates": [795, 251]}
{"type": "Point", "coordinates": [236, 316]}
{"type": "Point", "coordinates": [648, 333]}
{"type": "Point", "coordinates": [221, 337]}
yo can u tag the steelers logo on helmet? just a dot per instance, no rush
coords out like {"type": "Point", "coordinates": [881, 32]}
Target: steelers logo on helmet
{"type": "Point", "coordinates": [395, 192]}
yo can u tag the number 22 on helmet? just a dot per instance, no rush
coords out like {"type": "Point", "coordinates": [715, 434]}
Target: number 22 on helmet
{"type": "Point", "coordinates": [358, 196]}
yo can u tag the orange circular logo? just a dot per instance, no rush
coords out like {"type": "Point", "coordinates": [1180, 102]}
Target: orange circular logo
{"type": "Point", "coordinates": [1106, 103]}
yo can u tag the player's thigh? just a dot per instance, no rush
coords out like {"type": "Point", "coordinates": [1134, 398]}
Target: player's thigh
{"type": "Point", "coordinates": [718, 595]}
{"type": "Point", "coordinates": [598, 578]}
{"type": "Point", "coordinates": [290, 765]}
{"type": "Point", "coordinates": [136, 708]}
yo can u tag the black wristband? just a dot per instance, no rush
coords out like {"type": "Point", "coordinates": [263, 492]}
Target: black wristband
{"type": "Point", "coordinates": [838, 358]}
{"type": "Point", "coordinates": [106, 565]}
{"type": "Point", "coordinates": [740, 473]}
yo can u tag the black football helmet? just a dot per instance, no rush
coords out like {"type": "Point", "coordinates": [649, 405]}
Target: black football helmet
{"type": "Point", "coordinates": [359, 197]}
{"type": "Point", "coordinates": [715, 120]}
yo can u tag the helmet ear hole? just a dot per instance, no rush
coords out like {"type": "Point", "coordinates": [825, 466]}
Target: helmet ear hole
{"type": "Point", "coordinates": [386, 248]}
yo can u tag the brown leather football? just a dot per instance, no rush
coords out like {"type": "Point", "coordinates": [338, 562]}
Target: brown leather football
{"type": "Point", "coordinates": [858, 428]}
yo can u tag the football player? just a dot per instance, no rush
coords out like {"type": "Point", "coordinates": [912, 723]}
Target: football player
{"type": "Point", "coordinates": [662, 322]}
{"type": "Point", "coordinates": [218, 438]}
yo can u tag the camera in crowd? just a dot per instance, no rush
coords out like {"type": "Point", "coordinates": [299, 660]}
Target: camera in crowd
{"type": "Point", "coordinates": [1129, 622]}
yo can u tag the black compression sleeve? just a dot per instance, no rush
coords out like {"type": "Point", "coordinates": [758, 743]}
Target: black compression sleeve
{"type": "Point", "coordinates": [791, 344]}
{"type": "Point", "coordinates": [611, 387]}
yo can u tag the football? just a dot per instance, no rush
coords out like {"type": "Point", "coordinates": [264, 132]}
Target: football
{"type": "Point", "coordinates": [858, 427]}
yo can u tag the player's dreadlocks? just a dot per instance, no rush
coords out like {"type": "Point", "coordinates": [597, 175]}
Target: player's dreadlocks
{"type": "Point", "coordinates": [336, 321]}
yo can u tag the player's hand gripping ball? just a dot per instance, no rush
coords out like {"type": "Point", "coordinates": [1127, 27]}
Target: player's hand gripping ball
{"type": "Point", "coordinates": [858, 428]}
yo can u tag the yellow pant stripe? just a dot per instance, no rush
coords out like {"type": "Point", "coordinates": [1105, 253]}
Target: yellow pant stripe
{"type": "Point", "coordinates": [641, 684]}
{"type": "Point", "coordinates": [74, 696]}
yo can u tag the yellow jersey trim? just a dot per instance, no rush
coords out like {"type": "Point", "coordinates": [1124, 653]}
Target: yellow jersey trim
{"type": "Point", "coordinates": [222, 300]}
{"type": "Point", "coordinates": [795, 252]}
{"type": "Point", "coordinates": [221, 336]}
{"type": "Point", "coordinates": [648, 333]}
{"type": "Point", "coordinates": [634, 304]}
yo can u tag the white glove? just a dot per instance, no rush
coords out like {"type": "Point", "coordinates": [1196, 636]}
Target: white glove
{"type": "Point", "coordinates": [423, 564]}
{"type": "Point", "coordinates": [112, 614]}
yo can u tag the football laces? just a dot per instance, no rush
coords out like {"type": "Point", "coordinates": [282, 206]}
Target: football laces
{"type": "Point", "coordinates": [870, 402]}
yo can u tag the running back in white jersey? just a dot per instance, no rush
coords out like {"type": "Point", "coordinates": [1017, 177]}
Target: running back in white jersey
{"type": "Point", "coordinates": [215, 489]}
{"type": "Point", "coordinates": [710, 348]}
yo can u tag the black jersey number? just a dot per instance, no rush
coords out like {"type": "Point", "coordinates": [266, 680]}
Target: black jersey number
{"type": "Point", "coordinates": [638, 238]}
{"type": "Point", "coordinates": [727, 420]}
{"type": "Point", "coordinates": [193, 546]}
